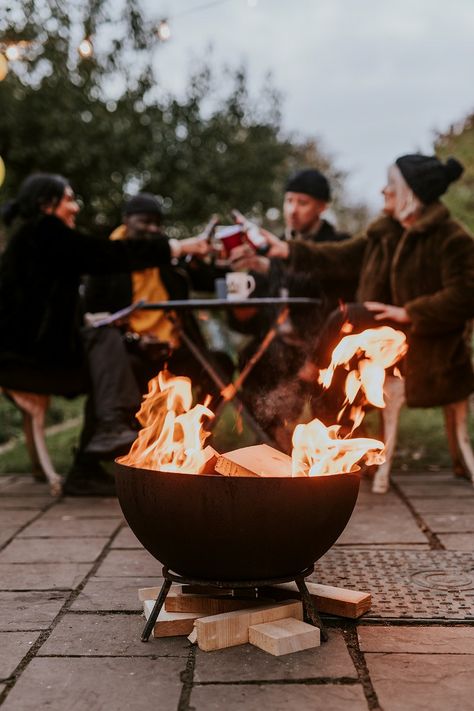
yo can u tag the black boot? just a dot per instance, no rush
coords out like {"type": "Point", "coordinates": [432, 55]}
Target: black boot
{"type": "Point", "coordinates": [88, 478]}
{"type": "Point", "coordinates": [110, 439]}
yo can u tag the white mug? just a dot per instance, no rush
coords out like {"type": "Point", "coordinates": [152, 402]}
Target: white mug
{"type": "Point", "coordinates": [239, 285]}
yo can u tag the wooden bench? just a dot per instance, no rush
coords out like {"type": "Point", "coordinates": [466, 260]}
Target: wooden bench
{"type": "Point", "coordinates": [455, 419]}
{"type": "Point", "coordinates": [33, 408]}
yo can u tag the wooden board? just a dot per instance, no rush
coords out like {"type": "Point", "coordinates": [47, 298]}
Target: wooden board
{"type": "Point", "coordinates": [176, 602]}
{"type": "Point", "coordinates": [327, 598]}
{"type": "Point", "coordinates": [170, 624]}
{"type": "Point", "coordinates": [211, 456]}
{"type": "Point", "coordinates": [232, 628]}
{"type": "Point", "coordinates": [259, 460]}
{"type": "Point", "coordinates": [284, 636]}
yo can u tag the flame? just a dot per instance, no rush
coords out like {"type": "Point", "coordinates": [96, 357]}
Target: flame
{"type": "Point", "coordinates": [317, 449]}
{"type": "Point", "coordinates": [172, 437]}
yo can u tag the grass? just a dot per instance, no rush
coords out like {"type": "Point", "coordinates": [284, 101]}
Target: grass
{"type": "Point", "coordinates": [422, 443]}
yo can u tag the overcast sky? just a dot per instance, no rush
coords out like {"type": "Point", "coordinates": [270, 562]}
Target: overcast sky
{"type": "Point", "coordinates": [373, 79]}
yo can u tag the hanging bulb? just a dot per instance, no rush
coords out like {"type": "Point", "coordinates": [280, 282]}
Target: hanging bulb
{"type": "Point", "coordinates": [12, 52]}
{"type": "Point", "coordinates": [86, 48]}
{"type": "Point", "coordinates": [3, 67]}
{"type": "Point", "coordinates": [163, 31]}
{"type": "Point", "coordinates": [2, 168]}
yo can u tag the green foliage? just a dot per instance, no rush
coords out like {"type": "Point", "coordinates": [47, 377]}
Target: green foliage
{"type": "Point", "coordinates": [459, 142]}
{"type": "Point", "coordinates": [104, 123]}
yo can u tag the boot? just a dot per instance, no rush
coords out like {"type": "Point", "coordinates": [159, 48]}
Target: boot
{"type": "Point", "coordinates": [111, 439]}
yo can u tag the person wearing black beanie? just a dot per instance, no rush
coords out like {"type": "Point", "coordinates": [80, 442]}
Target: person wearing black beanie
{"type": "Point", "coordinates": [415, 269]}
{"type": "Point", "coordinates": [427, 176]}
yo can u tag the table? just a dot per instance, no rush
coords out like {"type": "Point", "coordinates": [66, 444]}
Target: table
{"type": "Point", "coordinates": [228, 391]}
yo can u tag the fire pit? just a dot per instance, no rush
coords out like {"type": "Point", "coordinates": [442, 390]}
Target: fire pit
{"type": "Point", "coordinates": [235, 528]}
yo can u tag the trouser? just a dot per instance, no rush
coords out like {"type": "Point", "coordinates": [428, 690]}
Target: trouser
{"type": "Point", "coordinates": [114, 396]}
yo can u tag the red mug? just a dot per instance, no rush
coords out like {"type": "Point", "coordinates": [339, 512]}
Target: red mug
{"type": "Point", "coordinates": [230, 236]}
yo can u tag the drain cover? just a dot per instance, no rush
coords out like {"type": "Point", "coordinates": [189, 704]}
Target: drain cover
{"type": "Point", "coordinates": [415, 585]}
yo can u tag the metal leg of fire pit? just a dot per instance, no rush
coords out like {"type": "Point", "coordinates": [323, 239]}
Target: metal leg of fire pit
{"type": "Point", "coordinates": [156, 610]}
{"type": "Point", "coordinates": [310, 612]}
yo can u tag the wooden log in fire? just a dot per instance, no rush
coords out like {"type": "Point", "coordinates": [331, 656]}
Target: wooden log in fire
{"type": "Point", "coordinates": [258, 460]}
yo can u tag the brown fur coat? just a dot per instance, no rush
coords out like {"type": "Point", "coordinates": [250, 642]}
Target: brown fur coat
{"type": "Point", "coordinates": [428, 269]}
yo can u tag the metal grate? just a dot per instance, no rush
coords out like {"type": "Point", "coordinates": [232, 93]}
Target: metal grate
{"type": "Point", "coordinates": [414, 585]}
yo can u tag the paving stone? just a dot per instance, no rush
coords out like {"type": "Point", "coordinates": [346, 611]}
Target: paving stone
{"type": "Point", "coordinates": [13, 647]}
{"type": "Point", "coordinates": [443, 505]}
{"type": "Point", "coordinates": [248, 663]}
{"type": "Point", "coordinates": [107, 594]}
{"type": "Point", "coordinates": [85, 507]}
{"type": "Point", "coordinates": [450, 522]}
{"type": "Point", "coordinates": [78, 684]}
{"type": "Point", "coordinates": [420, 640]}
{"type": "Point", "coordinates": [53, 550]}
{"type": "Point", "coordinates": [16, 518]}
{"type": "Point", "coordinates": [34, 503]}
{"type": "Point", "coordinates": [65, 527]}
{"type": "Point", "coordinates": [29, 610]}
{"type": "Point", "coordinates": [42, 576]}
{"type": "Point", "coordinates": [136, 563]}
{"type": "Point", "coordinates": [371, 523]}
{"type": "Point", "coordinates": [26, 486]}
{"type": "Point", "coordinates": [457, 541]}
{"type": "Point", "coordinates": [126, 539]}
{"type": "Point", "coordinates": [6, 533]}
{"type": "Point", "coordinates": [455, 488]}
{"type": "Point", "coordinates": [109, 635]}
{"type": "Point", "coordinates": [425, 682]}
{"type": "Point", "coordinates": [278, 697]}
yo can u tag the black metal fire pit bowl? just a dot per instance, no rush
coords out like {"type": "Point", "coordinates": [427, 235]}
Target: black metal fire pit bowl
{"type": "Point", "coordinates": [235, 528]}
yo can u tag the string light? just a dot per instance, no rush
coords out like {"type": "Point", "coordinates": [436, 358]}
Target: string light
{"type": "Point", "coordinates": [2, 171]}
{"type": "Point", "coordinates": [86, 48]}
{"type": "Point", "coordinates": [13, 52]}
{"type": "Point", "coordinates": [163, 31]}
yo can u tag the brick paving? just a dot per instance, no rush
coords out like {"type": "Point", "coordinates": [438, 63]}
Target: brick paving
{"type": "Point", "coordinates": [70, 620]}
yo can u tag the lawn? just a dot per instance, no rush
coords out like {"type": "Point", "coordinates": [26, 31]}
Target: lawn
{"type": "Point", "coordinates": [422, 442]}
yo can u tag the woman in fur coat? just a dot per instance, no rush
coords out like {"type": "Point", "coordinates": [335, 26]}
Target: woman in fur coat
{"type": "Point", "coordinates": [416, 271]}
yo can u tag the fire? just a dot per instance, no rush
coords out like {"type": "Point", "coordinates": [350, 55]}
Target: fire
{"type": "Point", "coordinates": [317, 449]}
{"type": "Point", "coordinates": [172, 434]}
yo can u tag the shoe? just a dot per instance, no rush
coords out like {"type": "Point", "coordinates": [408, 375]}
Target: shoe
{"type": "Point", "coordinates": [88, 479]}
{"type": "Point", "coordinates": [110, 440]}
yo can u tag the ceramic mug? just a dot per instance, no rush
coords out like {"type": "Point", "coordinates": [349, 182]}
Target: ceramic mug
{"type": "Point", "coordinates": [239, 285]}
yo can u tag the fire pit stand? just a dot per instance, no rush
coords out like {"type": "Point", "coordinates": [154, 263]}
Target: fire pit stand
{"type": "Point", "coordinates": [310, 613]}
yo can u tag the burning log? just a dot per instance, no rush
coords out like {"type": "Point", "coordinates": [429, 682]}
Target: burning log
{"type": "Point", "coordinates": [258, 460]}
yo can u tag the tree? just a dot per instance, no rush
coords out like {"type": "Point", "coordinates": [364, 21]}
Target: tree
{"type": "Point", "coordinates": [101, 122]}
{"type": "Point", "coordinates": [458, 141]}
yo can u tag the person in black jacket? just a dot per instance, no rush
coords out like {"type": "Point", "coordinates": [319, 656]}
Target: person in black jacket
{"type": "Point", "coordinates": [272, 389]}
{"type": "Point", "coordinates": [155, 338]}
{"type": "Point", "coordinates": [42, 346]}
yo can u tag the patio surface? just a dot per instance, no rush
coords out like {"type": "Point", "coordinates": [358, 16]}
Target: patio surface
{"type": "Point", "coordinates": [70, 620]}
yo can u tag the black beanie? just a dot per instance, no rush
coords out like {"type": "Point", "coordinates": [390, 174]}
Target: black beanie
{"type": "Point", "coordinates": [143, 203]}
{"type": "Point", "coordinates": [427, 176]}
{"type": "Point", "coordinates": [310, 182]}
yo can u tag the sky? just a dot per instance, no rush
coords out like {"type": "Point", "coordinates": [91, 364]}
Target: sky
{"type": "Point", "coordinates": [371, 79]}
